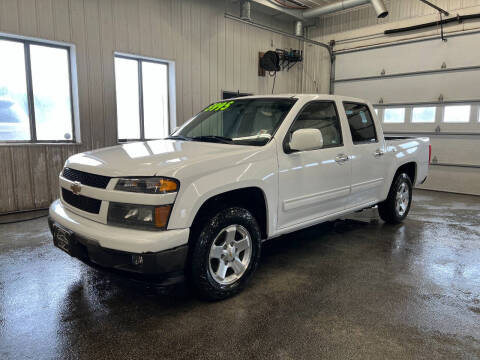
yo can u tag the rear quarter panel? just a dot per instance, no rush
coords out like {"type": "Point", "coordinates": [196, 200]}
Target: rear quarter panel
{"type": "Point", "coordinates": [406, 151]}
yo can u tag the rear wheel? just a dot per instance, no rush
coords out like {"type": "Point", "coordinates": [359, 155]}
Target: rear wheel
{"type": "Point", "coordinates": [225, 254]}
{"type": "Point", "coordinates": [397, 205]}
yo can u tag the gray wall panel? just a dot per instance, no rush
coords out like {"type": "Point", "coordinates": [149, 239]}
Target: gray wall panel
{"type": "Point", "coordinates": [210, 53]}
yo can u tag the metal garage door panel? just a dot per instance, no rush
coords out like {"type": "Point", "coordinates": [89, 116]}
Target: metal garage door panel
{"type": "Point", "coordinates": [456, 150]}
{"type": "Point", "coordinates": [409, 57]}
{"type": "Point", "coordinates": [453, 179]}
{"type": "Point", "coordinates": [454, 86]}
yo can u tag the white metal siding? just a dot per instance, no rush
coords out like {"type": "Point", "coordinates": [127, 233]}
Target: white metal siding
{"type": "Point", "coordinates": [455, 83]}
{"type": "Point", "coordinates": [413, 75]}
{"type": "Point", "coordinates": [210, 53]}
{"type": "Point", "coordinates": [410, 57]}
{"type": "Point", "coordinates": [364, 16]}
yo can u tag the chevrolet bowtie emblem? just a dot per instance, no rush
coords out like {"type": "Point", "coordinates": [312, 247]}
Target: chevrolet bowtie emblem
{"type": "Point", "coordinates": [76, 187]}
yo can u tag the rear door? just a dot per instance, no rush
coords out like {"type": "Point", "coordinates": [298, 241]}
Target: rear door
{"type": "Point", "coordinates": [316, 183]}
{"type": "Point", "coordinates": [367, 156]}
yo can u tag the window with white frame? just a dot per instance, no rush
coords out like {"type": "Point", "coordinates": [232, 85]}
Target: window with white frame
{"type": "Point", "coordinates": [424, 117]}
{"type": "Point", "coordinates": [35, 91]}
{"type": "Point", "coordinates": [424, 114]}
{"type": "Point", "coordinates": [394, 115]}
{"type": "Point", "coordinates": [142, 98]}
{"type": "Point", "coordinates": [457, 114]}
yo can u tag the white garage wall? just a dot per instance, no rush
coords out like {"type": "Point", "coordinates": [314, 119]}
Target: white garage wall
{"type": "Point", "coordinates": [455, 147]}
{"type": "Point", "coordinates": [412, 71]}
{"type": "Point", "coordinates": [316, 67]}
{"type": "Point", "coordinates": [359, 27]}
{"type": "Point", "coordinates": [399, 10]}
{"type": "Point", "coordinates": [210, 53]}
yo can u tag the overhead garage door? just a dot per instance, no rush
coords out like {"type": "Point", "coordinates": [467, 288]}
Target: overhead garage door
{"type": "Point", "coordinates": [425, 87]}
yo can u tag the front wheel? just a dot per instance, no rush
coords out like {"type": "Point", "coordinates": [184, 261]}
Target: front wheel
{"type": "Point", "coordinates": [225, 254]}
{"type": "Point", "coordinates": [397, 205]}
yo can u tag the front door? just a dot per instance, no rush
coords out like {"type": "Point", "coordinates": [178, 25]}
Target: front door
{"type": "Point", "coordinates": [316, 183]}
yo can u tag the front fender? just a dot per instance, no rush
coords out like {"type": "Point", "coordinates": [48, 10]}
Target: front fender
{"type": "Point", "coordinates": [261, 174]}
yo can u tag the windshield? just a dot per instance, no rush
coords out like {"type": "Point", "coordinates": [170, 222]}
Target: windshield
{"type": "Point", "coordinates": [242, 122]}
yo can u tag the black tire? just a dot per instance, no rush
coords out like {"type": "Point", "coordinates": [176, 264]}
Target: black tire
{"type": "Point", "coordinates": [387, 209]}
{"type": "Point", "coordinates": [200, 275]}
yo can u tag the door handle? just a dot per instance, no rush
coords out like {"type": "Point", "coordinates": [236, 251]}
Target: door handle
{"type": "Point", "coordinates": [341, 159]}
{"type": "Point", "coordinates": [378, 153]}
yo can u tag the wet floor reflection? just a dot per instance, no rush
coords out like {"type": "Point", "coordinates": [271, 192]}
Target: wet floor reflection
{"type": "Point", "coordinates": [355, 286]}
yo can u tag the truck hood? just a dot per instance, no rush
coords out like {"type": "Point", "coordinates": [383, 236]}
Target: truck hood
{"type": "Point", "coordinates": [171, 158]}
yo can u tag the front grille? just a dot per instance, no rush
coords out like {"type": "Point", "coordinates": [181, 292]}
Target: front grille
{"type": "Point", "coordinates": [81, 202]}
{"type": "Point", "coordinates": [97, 181]}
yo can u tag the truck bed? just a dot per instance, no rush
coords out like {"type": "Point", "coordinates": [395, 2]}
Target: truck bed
{"type": "Point", "coordinates": [399, 137]}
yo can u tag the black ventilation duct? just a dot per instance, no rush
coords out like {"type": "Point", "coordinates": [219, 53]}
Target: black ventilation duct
{"type": "Point", "coordinates": [457, 19]}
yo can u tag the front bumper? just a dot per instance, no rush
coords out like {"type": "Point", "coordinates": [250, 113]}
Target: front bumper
{"type": "Point", "coordinates": [161, 252]}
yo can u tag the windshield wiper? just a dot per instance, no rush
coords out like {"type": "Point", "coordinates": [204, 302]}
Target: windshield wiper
{"type": "Point", "coordinates": [213, 138]}
{"type": "Point", "coordinates": [178, 137]}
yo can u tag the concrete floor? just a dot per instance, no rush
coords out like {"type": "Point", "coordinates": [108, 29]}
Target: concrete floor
{"type": "Point", "coordinates": [354, 289]}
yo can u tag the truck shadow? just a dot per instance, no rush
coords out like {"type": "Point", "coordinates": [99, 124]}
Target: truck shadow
{"type": "Point", "coordinates": [293, 245]}
{"type": "Point", "coordinates": [313, 236]}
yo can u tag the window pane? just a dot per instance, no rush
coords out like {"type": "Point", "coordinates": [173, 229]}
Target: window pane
{"type": "Point", "coordinates": [321, 116]}
{"type": "Point", "coordinates": [246, 122]}
{"type": "Point", "coordinates": [128, 108]}
{"type": "Point", "coordinates": [457, 114]}
{"type": "Point", "coordinates": [423, 114]}
{"type": "Point", "coordinates": [51, 92]}
{"type": "Point", "coordinates": [155, 99]}
{"type": "Point", "coordinates": [394, 115]}
{"type": "Point", "coordinates": [361, 123]}
{"type": "Point", "coordinates": [14, 121]}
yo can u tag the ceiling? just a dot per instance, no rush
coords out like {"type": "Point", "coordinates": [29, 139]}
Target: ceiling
{"type": "Point", "coordinates": [316, 3]}
{"type": "Point", "coordinates": [282, 16]}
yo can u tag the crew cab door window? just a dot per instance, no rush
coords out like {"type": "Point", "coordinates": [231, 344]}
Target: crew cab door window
{"type": "Point", "coordinates": [361, 123]}
{"type": "Point", "coordinates": [321, 115]}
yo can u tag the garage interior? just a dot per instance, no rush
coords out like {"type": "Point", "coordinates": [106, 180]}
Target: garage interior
{"type": "Point", "coordinates": [351, 288]}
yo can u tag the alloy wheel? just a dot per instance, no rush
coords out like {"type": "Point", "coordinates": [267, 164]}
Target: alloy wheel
{"type": "Point", "coordinates": [230, 254]}
{"type": "Point", "coordinates": [402, 199]}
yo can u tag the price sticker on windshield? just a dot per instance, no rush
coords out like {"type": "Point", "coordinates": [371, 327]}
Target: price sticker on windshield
{"type": "Point", "coordinates": [221, 106]}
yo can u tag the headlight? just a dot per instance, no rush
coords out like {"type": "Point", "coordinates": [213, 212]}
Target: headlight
{"type": "Point", "coordinates": [144, 217]}
{"type": "Point", "coordinates": [148, 185]}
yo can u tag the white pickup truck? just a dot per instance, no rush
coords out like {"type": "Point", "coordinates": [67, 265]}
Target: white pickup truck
{"type": "Point", "coordinates": [201, 201]}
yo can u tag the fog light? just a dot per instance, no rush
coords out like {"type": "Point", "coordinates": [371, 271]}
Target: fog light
{"type": "Point", "coordinates": [137, 260]}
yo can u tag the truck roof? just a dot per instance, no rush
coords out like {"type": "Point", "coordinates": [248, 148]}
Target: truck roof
{"type": "Point", "coordinates": [305, 97]}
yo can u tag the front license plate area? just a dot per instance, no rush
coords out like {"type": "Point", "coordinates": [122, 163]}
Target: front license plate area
{"type": "Point", "coordinates": [62, 238]}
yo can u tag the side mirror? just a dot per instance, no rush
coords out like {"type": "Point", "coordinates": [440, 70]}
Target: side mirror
{"type": "Point", "coordinates": [306, 139]}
